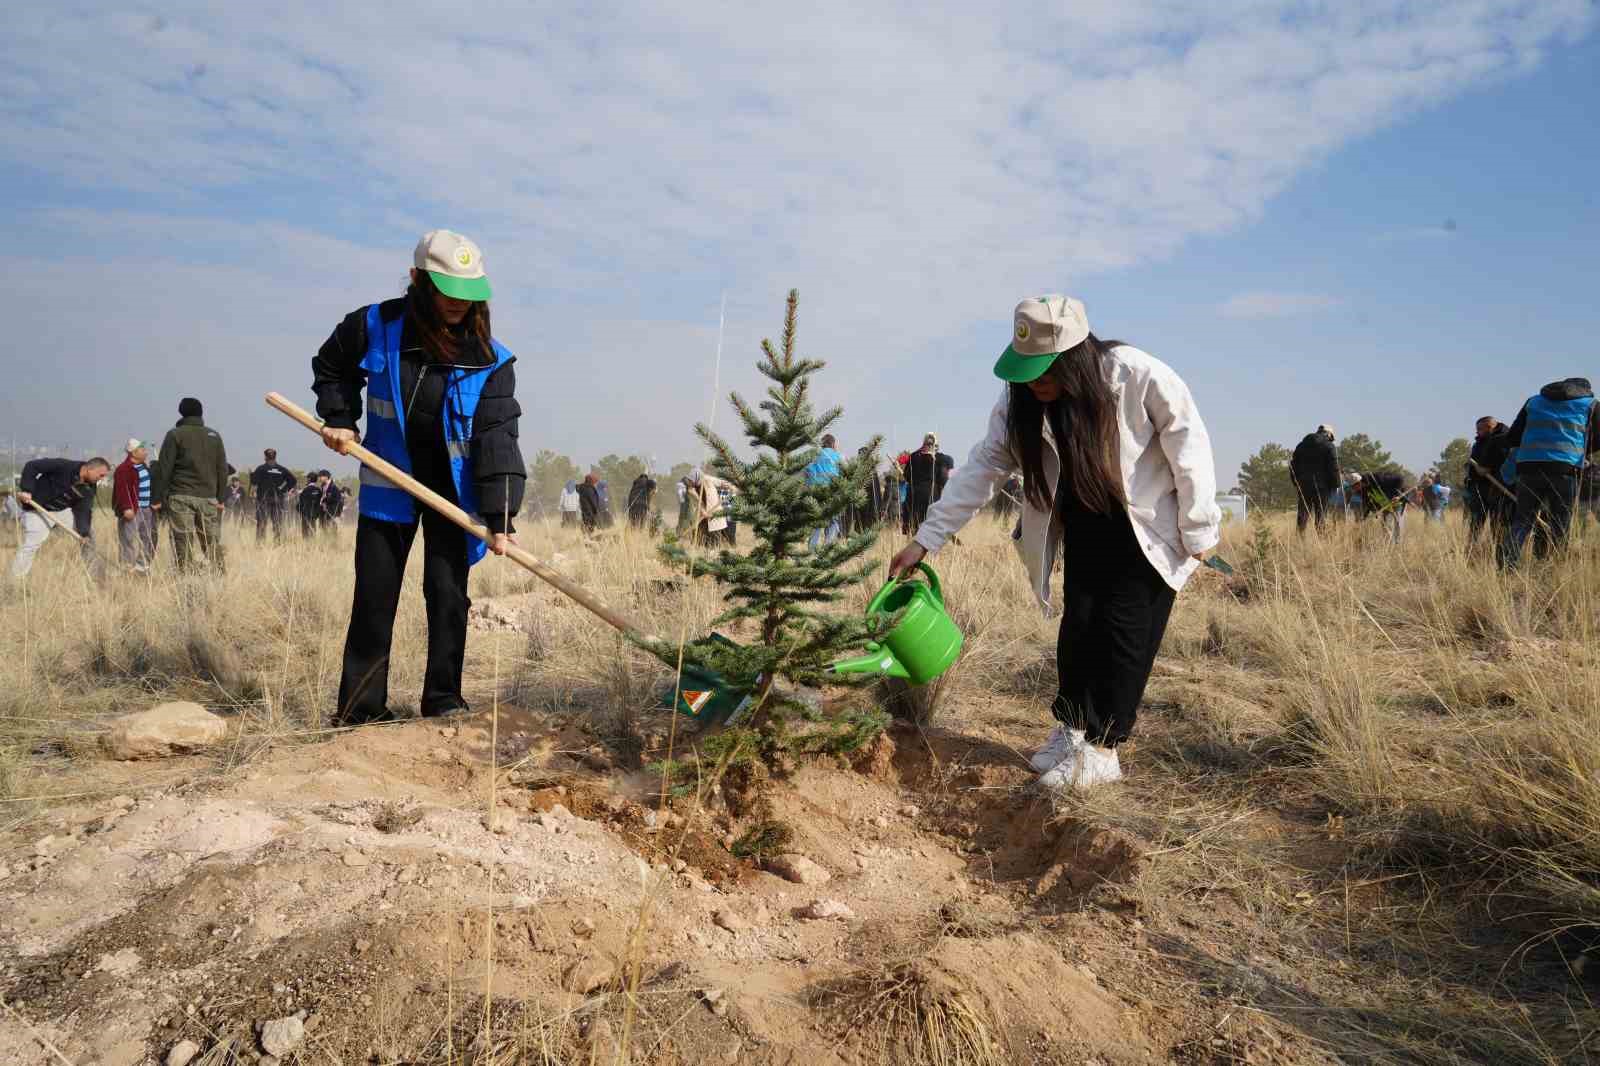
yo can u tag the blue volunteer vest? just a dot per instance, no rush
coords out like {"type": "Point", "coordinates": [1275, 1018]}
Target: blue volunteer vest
{"type": "Point", "coordinates": [386, 429]}
{"type": "Point", "coordinates": [1556, 431]}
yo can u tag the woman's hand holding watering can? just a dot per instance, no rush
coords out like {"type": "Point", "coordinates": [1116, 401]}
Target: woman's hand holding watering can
{"type": "Point", "coordinates": [906, 560]}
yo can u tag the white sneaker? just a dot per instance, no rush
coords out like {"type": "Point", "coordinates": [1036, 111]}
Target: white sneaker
{"type": "Point", "coordinates": [1088, 766]}
{"type": "Point", "coordinates": [1058, 746]}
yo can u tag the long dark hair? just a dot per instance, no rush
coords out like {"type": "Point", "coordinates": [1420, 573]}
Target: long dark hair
{"type": "Point", "coordinates": [434, 334]}
{"type": "Point", "coordinates": [1084, 420]}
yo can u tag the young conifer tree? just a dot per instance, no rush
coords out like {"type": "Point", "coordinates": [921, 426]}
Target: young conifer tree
{"type": "Point", "coordinates": [782, 583]}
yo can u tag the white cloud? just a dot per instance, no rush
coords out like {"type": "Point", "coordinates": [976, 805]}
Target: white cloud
{"type": "Point", "coordinates": [912, 168]}
{"type": "Point", "coordinates": [1275, 304]}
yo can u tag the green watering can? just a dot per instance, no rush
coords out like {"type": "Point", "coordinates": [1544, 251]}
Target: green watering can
{"type": "Point", "coordinates": [925, 642]}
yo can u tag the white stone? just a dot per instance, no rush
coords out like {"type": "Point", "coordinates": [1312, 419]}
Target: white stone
{"type": "Point", "coordinates": [798, 869]}
{"type": "Point", "coordinates": [167, 729]}
{"type": "Point", "coordinates": [824, 909]}
{"type": "Point", "coordinates": [730, 920]}
{"type": "Point", "coordinates": [182, 1052]}
{"type": "Point", "coordinates": [282, 1035]}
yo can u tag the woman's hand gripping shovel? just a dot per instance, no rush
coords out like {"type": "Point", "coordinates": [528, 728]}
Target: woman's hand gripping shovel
{"type": "Point", "coordinates": [711, 696]}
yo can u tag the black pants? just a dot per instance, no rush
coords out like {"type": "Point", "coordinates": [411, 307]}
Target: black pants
{"type": "Point", "coordinates": [1313, 503]}
{"type": "Point", "coordinates": [1115, 611]}
{"type": "Point", "coordinates": [1487, 508]}
{"type": "Point", "coordinates": [269, 509]}
{"type": "Point", "coordinates": [381, 551]}
{"type": "Point", "coordinates": [1546, 493]}
{"type": "Point", "coordinates": [918, 499]}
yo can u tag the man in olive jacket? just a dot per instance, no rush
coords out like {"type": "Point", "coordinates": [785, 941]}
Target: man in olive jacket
{"type": "Point", "coordinates": [191, 479]}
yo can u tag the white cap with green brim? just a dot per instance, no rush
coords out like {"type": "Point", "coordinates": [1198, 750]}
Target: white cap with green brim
{"type": "Point", "coordinates": [454, 263]}
{"type": "Point", "coordinates": [1041, 329]}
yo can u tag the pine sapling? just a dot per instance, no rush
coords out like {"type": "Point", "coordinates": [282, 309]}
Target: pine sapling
{"type": "Point", "coordinates": [782, 584]}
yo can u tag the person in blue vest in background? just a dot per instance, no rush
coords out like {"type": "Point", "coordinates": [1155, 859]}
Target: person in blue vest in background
{"type": "Point", "coordinates": [1553, 434]}
{"type": "Point", "coordinates": [822, 470]}
{"type": "Point", "coordinates": [441, 405]}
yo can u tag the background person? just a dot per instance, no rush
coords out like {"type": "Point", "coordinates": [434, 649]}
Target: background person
{"type": "Point", "coordinates": [272, 484]}
{"type": "Point", "coordinates": [640, 495]}
{"type": "Point", "coordinates": [570, 504]}
{"type": "Point", "coordinates": [927, 473]}
{"type": "Point", "coordinates": [821, 471]}
{"type": "Point", "coordinates": [1484, 500]}
{"type": "Point", "coordinates": [589, 503]}
{"type": "Point", "coordinates": [441, 405]}
{"type": "Point", "coordinates": [57, 486]}
{"type": "Point", "coordinates": [191, 478]}
{"type": "Point", "coordinates": [1555, 432]}
{"type": "Point", "coordinates": [330, 503]}
{"type": "Point", "coordinates": [308, 505]}
{"type": "Point", "coordinates": [1383, 493]}
{"type": "Point", "coordinates": [1314, 469]}
{"type": "Point", "coordinates": [133, 501]}
{"type": "Point", "coordinates": [710, 496]}
{"type": "Point", "coordinates": [1116, 459]}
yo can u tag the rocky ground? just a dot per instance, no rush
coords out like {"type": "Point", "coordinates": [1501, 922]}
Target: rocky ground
{"type": "Point", "coordinates": [353, 899]}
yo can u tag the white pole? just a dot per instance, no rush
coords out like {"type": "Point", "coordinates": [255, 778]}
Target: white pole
{"type": "Point", "coordinates": [716, 373]}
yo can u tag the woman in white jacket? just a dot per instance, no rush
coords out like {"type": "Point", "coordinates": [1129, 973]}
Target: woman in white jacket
{"type": "Point", "coordinates": [1118, 470]}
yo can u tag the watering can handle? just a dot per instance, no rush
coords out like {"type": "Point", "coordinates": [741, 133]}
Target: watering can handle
{"type": "Point", "coordinates": [894, 582]}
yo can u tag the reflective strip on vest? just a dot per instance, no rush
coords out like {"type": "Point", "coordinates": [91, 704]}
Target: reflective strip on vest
{"type": "Point", "coordinates": [386, 434]}
{"type": "Point", "coordinates": [1556, 431]}
{"type": "Point", "coordinates": [369, 476]}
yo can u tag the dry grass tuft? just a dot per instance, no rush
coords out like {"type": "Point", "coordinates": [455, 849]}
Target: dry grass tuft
{"type": "Point", "coordinates": [914, 1013]}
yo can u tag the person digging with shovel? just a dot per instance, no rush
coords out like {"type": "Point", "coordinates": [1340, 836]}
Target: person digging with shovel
{"type": "Point", "coordinates": [441, 405]}
{"type": "Point", "coordinates": [1117, 469]}
{"type": "Point", "coordinates": [48, 489]}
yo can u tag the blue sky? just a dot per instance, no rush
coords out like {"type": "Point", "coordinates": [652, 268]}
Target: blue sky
{"type": "Point", "coordinates": [1376, 214]}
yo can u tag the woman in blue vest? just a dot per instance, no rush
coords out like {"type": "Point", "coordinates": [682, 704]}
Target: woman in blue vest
{"type": "Point", "coordinates": [441, 405]}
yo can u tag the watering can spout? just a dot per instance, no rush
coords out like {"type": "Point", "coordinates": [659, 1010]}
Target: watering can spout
{"type": "Point", "coordinates": [877, 661]}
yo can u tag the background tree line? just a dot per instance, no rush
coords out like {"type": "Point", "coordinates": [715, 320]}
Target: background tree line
{"type": "Point", "coordinates": [1264, 477]}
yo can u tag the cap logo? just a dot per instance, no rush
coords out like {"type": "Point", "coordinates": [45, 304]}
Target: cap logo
{"type": "Point", "coordinates": [463, 257]}
{"type": "Point", "coordinates": [1022, 330]}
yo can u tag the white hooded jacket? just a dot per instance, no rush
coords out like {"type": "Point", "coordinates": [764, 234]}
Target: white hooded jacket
{"type": "Point", "coordinates": [1167, 474]}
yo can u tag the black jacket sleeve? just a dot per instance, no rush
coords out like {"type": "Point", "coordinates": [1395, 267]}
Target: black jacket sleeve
{"type": "Point", "coordinates": [336, 374]}
{"type": "Point", "coordinates": [83, 514]}
{"type": "Point", "coordinates": [497, 466]}
{"type": "Point", "coordinates": [161, 472]}
{"type": "Point", "coordinates": [1514, 437]}
{"type": "Point", "coordinates": [30, 477]}
{"type": "Point", "coordinates": [1330, 465]}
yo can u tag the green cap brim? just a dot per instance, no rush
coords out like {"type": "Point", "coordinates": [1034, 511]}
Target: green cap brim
{"type": "Point", "coordinates": [1020, 369]}
{"type": "Point", "coordinates": [476, 289]}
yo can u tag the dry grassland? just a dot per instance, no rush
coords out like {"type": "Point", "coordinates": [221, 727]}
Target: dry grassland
{"type": "Point", "coordinates": [1361, 823]}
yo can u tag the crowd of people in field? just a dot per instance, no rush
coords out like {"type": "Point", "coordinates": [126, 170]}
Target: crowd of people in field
{"type": "Point", "coordinates": [1520, 481]}
{"type": "Point", "coordinates": [1095, 452]}
{"type": "Point", "coordinates": [186, 485]}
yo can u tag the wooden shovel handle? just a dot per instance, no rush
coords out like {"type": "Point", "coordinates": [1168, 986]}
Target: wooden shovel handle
{"type": "Point", "coordinates": [516, 553]}
{"type": "Point", "coordinates": [54, 521]}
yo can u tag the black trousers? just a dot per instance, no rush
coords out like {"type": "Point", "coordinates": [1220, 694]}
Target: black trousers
{"type": "Point", "coordinates": [1546, 495]}
{"type": "Point", "coordinates": [1115, 611]}
{"type": "Point", "coordinates": [918, 499]}
{"type": "Point", "coordinates": [1313, 504]}
{"type": "Point", "coordinates": [381, 552]}
{"type": "Point", "coordinates": [269, 509]}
